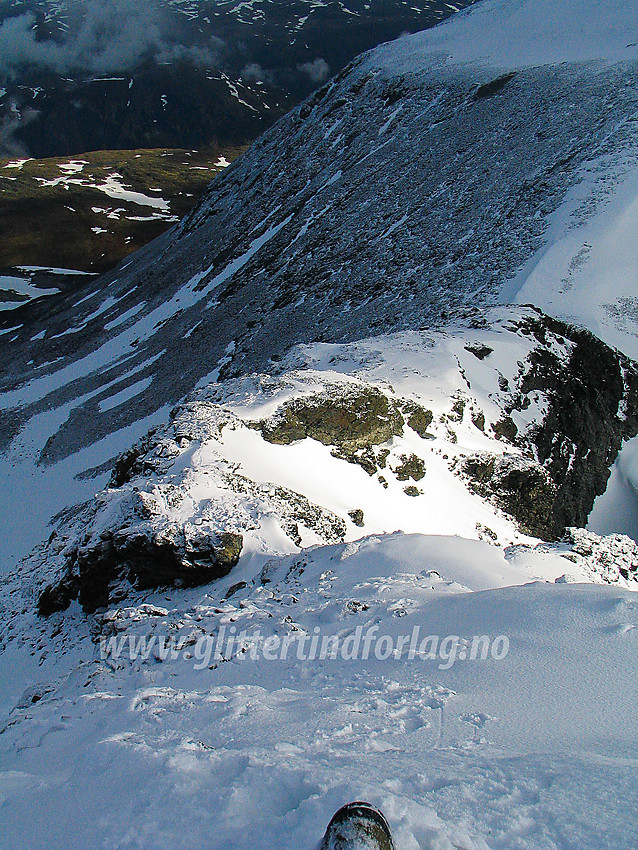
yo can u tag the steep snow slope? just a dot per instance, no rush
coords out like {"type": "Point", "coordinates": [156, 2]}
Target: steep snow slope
{"type": "Point", "coordinates": [189, 738]}
{"type": "Point", "coordinates": [357, 233]}
{"type": "Point", "coordinates": [457, 432]}
{"type": "Point", "coordinates": [515, 34]}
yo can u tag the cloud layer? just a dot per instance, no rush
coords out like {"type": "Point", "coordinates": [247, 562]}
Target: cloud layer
{"type": "Point", "coordinates": [104, 36]}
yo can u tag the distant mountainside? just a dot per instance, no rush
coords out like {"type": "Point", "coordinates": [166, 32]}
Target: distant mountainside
{"type": "Point", "coordinates": [403, 192]}
{"type": "Point", "coordinates": [176, 73]}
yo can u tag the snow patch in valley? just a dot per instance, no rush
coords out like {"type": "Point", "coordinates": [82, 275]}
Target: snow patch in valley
{"type": "Point", "coordinates": [23, 291]}
{"type": "Point", "coordinates": [17, 164]}
{"type": "Point", "coordinates": [111, 185]}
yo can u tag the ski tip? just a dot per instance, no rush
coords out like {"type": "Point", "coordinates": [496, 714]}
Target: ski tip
{"type": "Point", "coordinates": [358, 826]}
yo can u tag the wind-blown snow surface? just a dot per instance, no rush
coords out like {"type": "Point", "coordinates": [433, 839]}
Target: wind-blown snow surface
{"type": "Point", "coordinates": [512, 34]}
{"type": "Point", "coordinates": [536, 750]}
{"type": "Point", "coordinates": [410, 189]}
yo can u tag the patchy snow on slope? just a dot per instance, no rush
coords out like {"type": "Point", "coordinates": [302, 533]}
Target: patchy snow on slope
{"type": "Point", "coordinates": [112, 185]}
{"type": "Point", "coordinates": [19, 291]}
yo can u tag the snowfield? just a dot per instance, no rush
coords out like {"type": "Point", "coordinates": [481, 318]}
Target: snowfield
{"type": "Point", "coordinates": [19, 290]}
{"type": "Point", "coordinates": [537, 749]}
{"type": "Point", "coordinates": [349, 559]}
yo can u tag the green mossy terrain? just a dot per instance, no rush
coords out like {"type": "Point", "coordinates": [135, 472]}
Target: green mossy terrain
{"type": "Point", "coordinates": [53, 225]}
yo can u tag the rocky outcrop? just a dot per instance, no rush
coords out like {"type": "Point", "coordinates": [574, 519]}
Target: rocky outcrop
{"type": "Point", "coordinates": [549, 419]}
{"type": "Point", "coordinates": [593, 407]}
{"type": "Point", "coordinates": [353, 418]}
{"type": "Point", "coordinates": [589, 393]}
{"type": "Point", "coordinates": [150, 554]}
{"type": "Point", "coordinates": [608, 558]}
{"type": "Point", "coordinates": [520, 486]}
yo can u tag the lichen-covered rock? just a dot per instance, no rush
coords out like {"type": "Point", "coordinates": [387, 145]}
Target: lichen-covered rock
{"type": "Point", "coordinates": [505, 429]}
{"type": "Point", "coordinates": [419, 418]}
{"type": "Point", "coordinates": [357, 517]}
{"type": "Point", "coordinates": [478, 419]}
{"type": "Point", "coordinates": [351, 418]}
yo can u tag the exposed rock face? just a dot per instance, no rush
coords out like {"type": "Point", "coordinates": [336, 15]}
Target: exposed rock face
{"type": "Point", "coordinates": [593, 407]}
{"type": "Point", "coordinates": [58, 597]}
{"type": "Point", "coordinates": [353, 419]}
{"type": "Point", "coordinates": [520, 486]}
{"type": "Point", "coordinates": [126, 463]}
{"type": "Point", "coordinates": [588, 393]}
{"type": "Point", "coordinates": [151, 554]}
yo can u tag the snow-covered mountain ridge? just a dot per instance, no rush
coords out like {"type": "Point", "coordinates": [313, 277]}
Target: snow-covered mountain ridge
{"type": "Point", "coordinates": [349, 440]}
{"type": "Point", "coordinates": [467, 431]}
{"type": "Point", "coordinates": [386, 202]}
